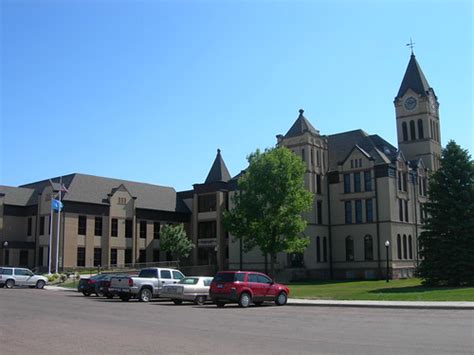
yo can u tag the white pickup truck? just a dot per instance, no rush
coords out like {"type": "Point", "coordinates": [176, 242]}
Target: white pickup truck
{"type": "Point", "coordinates": [147, 285]}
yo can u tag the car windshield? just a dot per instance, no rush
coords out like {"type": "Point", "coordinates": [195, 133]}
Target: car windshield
{"type": "Point", "coordinates": [189, 281]}
{"type": "Point", "coordinates": [228, 277]}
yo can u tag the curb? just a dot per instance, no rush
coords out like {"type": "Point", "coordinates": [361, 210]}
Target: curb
{"type": "Point", "coordinates": [383, 304]}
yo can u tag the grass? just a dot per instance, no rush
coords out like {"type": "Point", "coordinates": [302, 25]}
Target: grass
{"type": "Point", "coordinates": [380, 290]}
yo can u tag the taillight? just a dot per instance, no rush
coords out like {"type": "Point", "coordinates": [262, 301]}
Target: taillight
{"type": "Point", "coordinates": [130, 282]}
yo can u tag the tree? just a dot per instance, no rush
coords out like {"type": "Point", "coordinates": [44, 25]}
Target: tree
{"type": "Point", "coordinates": [268, 204]}
{"type": "Point", "coordinates": [173, 239]}
{"type": "Point", "coordinates": [447, 242]}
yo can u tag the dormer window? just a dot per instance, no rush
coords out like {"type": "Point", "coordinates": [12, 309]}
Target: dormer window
{"type": "Point", "coordinates": [122, 201]}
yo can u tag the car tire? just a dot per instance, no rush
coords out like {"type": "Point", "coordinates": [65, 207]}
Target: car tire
{"type": "Point", "coordinates": [175, 301]}
{"type": "Point", "coordinates": [200, 300]}
{"type": "Point", "coordinates": [86, 293]}
{"type": "Point", "coordinates": [145, 295]}
{"type": "Point", "coordinates": [125, 298]}
{"type": "Point", "coordinates": [99, 294]}
{"type": "Point", "coordinates": [220, 304]}
{"type": "Point", "coordinates": [9, 283]}
{"type": "Point", "coordinates": [281, 299]}
{"type": "Point", "coordinates": [244, 300]}
{"type": "Point", "coordinates": [40, 284]}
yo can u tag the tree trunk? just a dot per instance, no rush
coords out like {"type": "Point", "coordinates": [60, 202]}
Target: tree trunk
{"type": "Point", "coordinates": [272, 265]}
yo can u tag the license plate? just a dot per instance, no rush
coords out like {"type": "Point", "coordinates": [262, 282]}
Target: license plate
{"type": "Point", "coordinates": [220, 286]}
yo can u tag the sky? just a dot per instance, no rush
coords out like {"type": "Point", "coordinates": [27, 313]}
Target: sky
{"type": "Point", "coordinates": [148, 91]}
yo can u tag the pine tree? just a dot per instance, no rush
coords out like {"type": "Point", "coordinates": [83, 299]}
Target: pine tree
{"type": "Point", "coordinates": [447, 242]}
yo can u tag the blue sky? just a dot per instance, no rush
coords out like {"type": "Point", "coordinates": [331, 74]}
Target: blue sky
{"type": "Point", "coordinates": [148, 90]}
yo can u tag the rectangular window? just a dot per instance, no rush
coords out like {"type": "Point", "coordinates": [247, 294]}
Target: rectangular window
{"type": "Point", "coordinates": [156, 255]}
{"type": "Point", "coordinates": [358, 214]}
{"type": "Point", "coordinates": [122, 201]}
{"type": "Point", "coordinates": [29, 228]}
{"type": "Point", "coordinates": [400, 209]}
{"type": "Point", "coordinates": [42, 225]}
{"type": "Point", "coordinates": [98, 226]}
{"type": "Point", "coordinates": [312, 157]}
{"type": "Point", "coordinates": [142, 256]}
{"type": "Point", "coordinates": [347, 183]}
{"type": "Point", "coordinates": [82, 225]}
{"type": "Point", "coordinates": [129, 228]}
{"type": "Point", "coordinates": [143, 229]}
{"type": "Point", "coordinates": [81, 256]}
{"type": "Point", "coordinates": [156, 230]}
{"type": "Point", "coordinates": [399, 181]}
{"type": "Point", "coordinates": [348, 208]}
{"type": "Point", "coordinates": [41, 256]}
{"type": "Point", "coordinates": [318, 184]}
{"type": "Point", "coordinates": [369, 213]}
{"type": "Point", "coordinates": [114, 228]}
{"type": "Point", "coordinates": [207, 230]}
{"type": "Point", "coordinates": [357, 182]}
{"type": "Point", "coordinates": [128, 256]}
{"type": "Point", "coordinates": [207, 203]}
{"type": "Point", "coordinates": [113, 256]}
{"type": "Point", "coordinates": [406, 210]}
{"type": "Point", "coordinates": [97, 256]}
{"type": "Point", "coordinates": [318, 158]}
{"type": "Point", "coordinates": [404, 182]}
{"type": "Point", "coordinates": [318, 250]}
{"type": "Point", "coordinates": [325, 250]}
{"type": "Point", "coordinates": [319, 205]}
{"type": "Point", "coordinates": [24, 258]}
{"type": "Point", "coordinates": [367, 181]}
{"type": "Point", "coordinates": [302, 155]}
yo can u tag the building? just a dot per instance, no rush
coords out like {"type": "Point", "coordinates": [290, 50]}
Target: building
{"type": "Point", "coordinates": [367, 192]}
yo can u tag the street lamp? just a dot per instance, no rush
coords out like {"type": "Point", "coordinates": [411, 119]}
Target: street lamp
{"type": "Point", "coordinates": [5, 246]}
{"type": "Point", "coordinates": [387, 245]}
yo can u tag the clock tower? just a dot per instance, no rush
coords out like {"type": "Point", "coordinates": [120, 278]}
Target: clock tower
{"type": "Point", "coordinates": [417, 116]}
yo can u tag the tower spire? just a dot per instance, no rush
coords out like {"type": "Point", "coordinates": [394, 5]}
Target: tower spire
{"type": "Point", "coordinates": [411, 44]}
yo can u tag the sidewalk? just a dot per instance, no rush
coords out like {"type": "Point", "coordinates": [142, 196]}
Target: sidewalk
{"type": "Point", "coordinates": [382, 304]}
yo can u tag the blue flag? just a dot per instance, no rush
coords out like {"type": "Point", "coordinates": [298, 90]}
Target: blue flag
{"type": "Point", "coordinates": [56, 205]}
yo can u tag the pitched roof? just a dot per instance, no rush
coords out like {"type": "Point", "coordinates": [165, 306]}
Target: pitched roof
{"type": "Point", "coordinates": [95, 189]}
{"type": "Point", "coordinates": [17, 196]}
{"type": "Point", "coordinates": [218, 170]}
{"type": "Point", "coordinates": [414, 79]}
{"type": "Point", "coordinates": [341, 144]}
{"type": "Point", "coordinates": [301, 126]}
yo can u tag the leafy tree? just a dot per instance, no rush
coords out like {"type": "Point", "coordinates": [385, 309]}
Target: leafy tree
{"type": "Point", "coordinates": [173, 239]}
{"type": "Point", "coordinates": [269, 202]}
{"type": "Point", "coordinates": [447, 242]}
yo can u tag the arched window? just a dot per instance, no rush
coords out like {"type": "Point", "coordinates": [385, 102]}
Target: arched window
{"type": "Point", "coordinates": [405, 254]}
{"type": "Point", "coordinates": [405, 131]}
{"type": "Point", "coordinates": [349, 249]}
{"type": "Point", "coordinates": [399, 246]}
{"type": "Point", "coordinates": [412, 130]}
{"type": "Point", "coordinates": [410, 247]}
{"type": "Point", "coordinates": [318, 249]}
{"type": "Point", "coordinates": [325, 250]}
{"type": "Point", "coordinates": [368, 248]}
{"type": "Point", "coordinates": [420, 129]}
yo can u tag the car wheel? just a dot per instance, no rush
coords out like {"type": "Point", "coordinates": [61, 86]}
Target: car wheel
{"type": "Point", "coordinates": [99, 294]}
{"type": "Point", "coordinates": [244, 300]}
{"type": "Point", "coordinates": [86, 293]}
{"type": "Point", "coordinates": [40, 284]}
{"type": "Point", "coordinates": [175, 301]}
{"type": "Point", "coordinates": [145, 295]}
{"type": "Point", "coordinates": [220, 304]}
{"type": "Point", "coordinates": [259, 303]}
{"type": "Point", "coordinates": [125, 298]}
{"type": "Point", "coordinates": [281, 299]}
{"type": "Point", "coordinates": [200, 300]}
{"type": "Point", "coordinates": [9, 283]}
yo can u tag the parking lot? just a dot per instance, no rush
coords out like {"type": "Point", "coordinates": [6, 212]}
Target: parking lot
{"type": "Point", "coordinates": [57, 322]}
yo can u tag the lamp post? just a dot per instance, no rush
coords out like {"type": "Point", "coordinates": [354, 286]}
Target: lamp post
{"type": "Point", "coordinates": [5, 246]}
{"type": "Point", "coordinates": [387, 245]}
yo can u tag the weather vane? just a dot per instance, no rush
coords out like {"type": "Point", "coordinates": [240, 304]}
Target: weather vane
{"type": "Point", "coordinates": [411, 45]}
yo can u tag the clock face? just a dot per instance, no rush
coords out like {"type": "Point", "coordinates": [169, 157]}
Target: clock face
{"type": "Point", "coordinates": [410, 103]}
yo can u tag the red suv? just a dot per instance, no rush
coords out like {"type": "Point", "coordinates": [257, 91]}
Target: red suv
{"type": "Point", "coordinates": [244, 287]}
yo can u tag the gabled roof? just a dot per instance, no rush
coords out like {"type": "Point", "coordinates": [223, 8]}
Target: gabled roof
{"type": "Point", "coordinates": [218, 170]}
{"type": "Point", "coordinates": [17, 196]}
{"type": "Point", "coordinates": [301, 126]}
{"type": "Point", "coordinates": [95, 189]}
{"type": "Point", "coordinates": [414, 79]}
{"type": "Point", "coordinates": [341, 144]}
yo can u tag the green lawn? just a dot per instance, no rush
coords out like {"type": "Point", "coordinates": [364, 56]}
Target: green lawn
{"type": "Point", "coordinates": [395, 290]}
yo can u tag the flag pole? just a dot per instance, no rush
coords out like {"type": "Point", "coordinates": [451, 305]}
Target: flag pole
{"type": "Point", "coordinates": [59, 218]}
{"type": "Point", "coordinates": [50, 234]}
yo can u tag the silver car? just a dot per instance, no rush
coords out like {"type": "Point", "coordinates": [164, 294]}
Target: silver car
{"type": "Point", "coordinates": [194, 289]}
{"type": "Point", "coordinates": [17, 276]}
